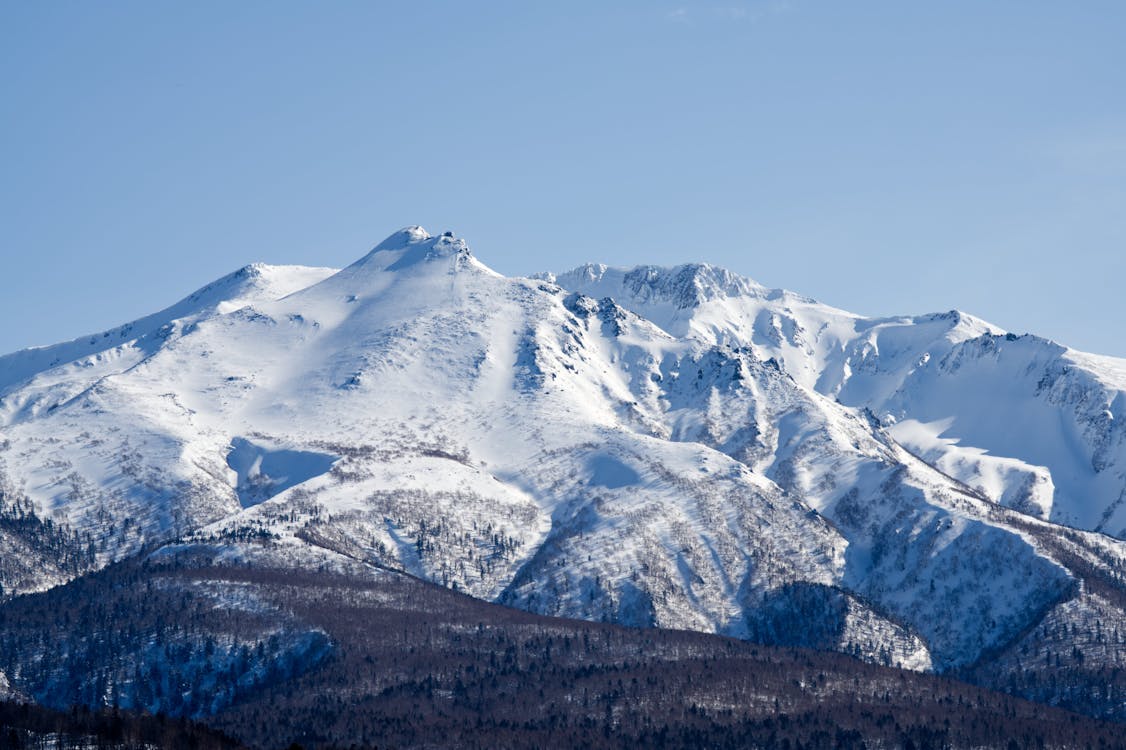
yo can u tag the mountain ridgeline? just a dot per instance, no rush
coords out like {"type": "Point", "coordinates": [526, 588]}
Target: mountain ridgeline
{"type": "Point", "coordinates": [675, 448]}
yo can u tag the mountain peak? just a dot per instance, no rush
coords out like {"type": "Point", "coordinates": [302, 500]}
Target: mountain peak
{"type": "Point", "coordinates": [688, 285]}
{"type": "Point", "coordinates": [413, 246]}
{"type": "Point", "coordinates": [406, 236]}
{"type": "Point", "coordinates": [684, 286]}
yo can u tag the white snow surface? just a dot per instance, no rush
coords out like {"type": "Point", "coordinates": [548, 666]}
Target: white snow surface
{"type": "Point", "coordinates": [671, 447]}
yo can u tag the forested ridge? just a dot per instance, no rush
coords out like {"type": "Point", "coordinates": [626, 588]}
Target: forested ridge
{"type": "Point", "coordinates": [333, 659]}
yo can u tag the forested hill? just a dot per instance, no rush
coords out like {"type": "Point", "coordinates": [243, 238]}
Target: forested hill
{"type": "Point", "coordinates": [327, 655]}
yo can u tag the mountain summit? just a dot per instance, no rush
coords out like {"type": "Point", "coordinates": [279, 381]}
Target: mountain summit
{"type": "Point", "coordinates": [414, 245]}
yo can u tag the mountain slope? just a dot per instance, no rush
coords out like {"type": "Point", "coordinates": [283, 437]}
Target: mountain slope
{"type": "Point", "coordinates": [1028, 423]}
{"type": "Point", "coordinates": [533, 445]}
{"type": "Point", "coordinates": [249, 284]}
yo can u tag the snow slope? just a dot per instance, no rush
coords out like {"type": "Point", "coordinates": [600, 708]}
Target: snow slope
{"type": "Point", "coordinates": [1028, 423]}
{"type": "Point", "coordinates": [673, 455]}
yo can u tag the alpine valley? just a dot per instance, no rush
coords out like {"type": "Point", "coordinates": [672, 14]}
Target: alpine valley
{"type": "Point", "coordinates": [238, 507]}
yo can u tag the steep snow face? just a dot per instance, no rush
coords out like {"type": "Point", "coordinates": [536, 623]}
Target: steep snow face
{"type": "Point", "coordinates": [1008, 481]}
{"type": "Point", "coordinates": [1025, 422]}
{"type": "Point", "coordinates": [550, 449]}
{"type": "Point", "coordinates": [1038, 403]}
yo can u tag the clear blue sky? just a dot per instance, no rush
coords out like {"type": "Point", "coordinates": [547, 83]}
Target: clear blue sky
{"type": "Point", "coordinates": [885, 157]}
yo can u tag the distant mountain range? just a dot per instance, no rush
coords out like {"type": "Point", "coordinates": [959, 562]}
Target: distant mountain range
{"type": "Point", "coordinates": [677, 448]}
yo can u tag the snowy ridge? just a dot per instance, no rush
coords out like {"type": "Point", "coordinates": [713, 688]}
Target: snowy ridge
{"type": "Point", "coordinates": [250, 284]}
{"type": "Point", "coordinates": [683, 287]}
{"type": "Point", "coordinates": [679, 449]}
{"type": "Point", "coordinates": [1029, 423]}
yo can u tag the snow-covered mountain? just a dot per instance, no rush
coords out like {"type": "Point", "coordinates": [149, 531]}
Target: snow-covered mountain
{"type": "Point", "coordinates": [670, 447]}
{"type": "Point", "coordinates": [1024, 421]}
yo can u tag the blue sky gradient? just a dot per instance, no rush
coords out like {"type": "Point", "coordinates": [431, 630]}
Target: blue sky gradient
{"type": "Point", "coordinates": [884, 157]}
